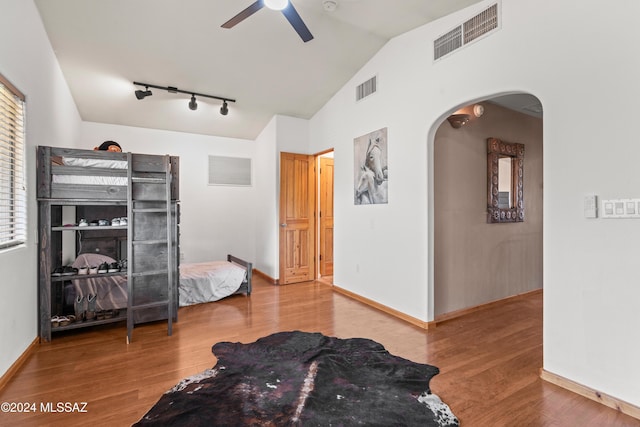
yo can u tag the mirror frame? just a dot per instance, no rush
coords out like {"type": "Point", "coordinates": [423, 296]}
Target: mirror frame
{"type": "Point", "coordinates": [497, 148]}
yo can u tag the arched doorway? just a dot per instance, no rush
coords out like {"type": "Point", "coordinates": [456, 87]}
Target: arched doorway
{"type": "Point", "coordinates": [475, 262]}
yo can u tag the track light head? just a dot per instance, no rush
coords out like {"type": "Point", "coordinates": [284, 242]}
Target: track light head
{"type": "Point", "coordinates": [224, 110]}
{"type": "Point", "coordinates": [142, 94]}
{"type": "Point", "coordinates": [193, 105]}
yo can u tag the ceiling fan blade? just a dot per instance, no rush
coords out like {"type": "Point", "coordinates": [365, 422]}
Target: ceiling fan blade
{"type": "Point", "coordinates": [295, 20]}
{"type": "Point", "coordinates": [253, 8]}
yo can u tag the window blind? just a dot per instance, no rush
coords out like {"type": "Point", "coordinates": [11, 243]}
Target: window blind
{"type": "Point", "coordinates": [13, 200]}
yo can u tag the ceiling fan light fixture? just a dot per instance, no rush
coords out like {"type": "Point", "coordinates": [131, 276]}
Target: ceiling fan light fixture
{"type": "Point", "coordinates": [276, 4]}
{"type": "Point", "coordinates": [224, 110]}
{"type": "Point", "coordinates": [193, 105]}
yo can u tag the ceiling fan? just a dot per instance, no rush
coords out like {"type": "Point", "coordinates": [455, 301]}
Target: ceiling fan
{"type": "Point", "coordinates": [287, 9]}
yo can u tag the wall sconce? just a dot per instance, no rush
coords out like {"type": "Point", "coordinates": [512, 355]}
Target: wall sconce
{"type": "Point", "coordinates": [193, 105]}
{"type": "Point", "coordinates": [458, 120]}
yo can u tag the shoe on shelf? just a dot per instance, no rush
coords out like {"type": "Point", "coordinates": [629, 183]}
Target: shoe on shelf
{"type": "Point", "coordinates": [93, 269]}
{"type": "Point", "coordinates": [57, 271]}
{"type": "Point", "coordinates": [103, 268]}
{"type": "Point", "coordinates": [93, 223]}
{"type": "Point", "coordinates": [83, 223]}
{"type": "Point", "coordinates": [113, 267]}
{"type": "Point", "coordinates": [66, 320]}
{"type": "Point", "coordinates": [123, 220]}
{"type": "Point", "coordinates": [55, 321]}
{"type": "Point", "coordinates": [80, 307]}
{"type": "Point", "coordinates": [91, 307]}
{"type": "Point", "coordinates": [69, 271]}
{"type": "Point", "coordinates": [102, 222]}
{"type": "Point", "coordinates": [115, 222]}
{"type": "Point", "coordinates": [83, 270]}
{"type": "Point", "coordinates": [122, 264]}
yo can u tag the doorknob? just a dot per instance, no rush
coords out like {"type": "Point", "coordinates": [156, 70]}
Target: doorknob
{"type": "Point", "coordinates": [283, 225]}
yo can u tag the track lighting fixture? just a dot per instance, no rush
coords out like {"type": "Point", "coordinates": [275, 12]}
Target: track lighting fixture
{"type": "Point", "coordinates": [142, 94]}
{"type": "Point", "coordinates": [193, 105]}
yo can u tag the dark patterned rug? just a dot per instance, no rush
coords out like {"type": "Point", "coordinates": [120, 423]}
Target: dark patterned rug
{"type": "Point", "coordinates": [304, 379]}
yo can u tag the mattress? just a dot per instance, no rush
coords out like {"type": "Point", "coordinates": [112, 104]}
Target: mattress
{"type": "Point", "coordinates": [92, 180]}
{"type": "Point", "coordinates": [209, 281]}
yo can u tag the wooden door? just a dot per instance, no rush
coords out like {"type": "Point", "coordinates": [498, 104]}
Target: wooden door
{"type": "Point", "coordinates": [326, 216]}
{"type": "Point", "coordinates": [297, 224]}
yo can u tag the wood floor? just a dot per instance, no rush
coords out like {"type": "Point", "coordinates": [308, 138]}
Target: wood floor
{"type": "Point", "coordinates": [489, 360]}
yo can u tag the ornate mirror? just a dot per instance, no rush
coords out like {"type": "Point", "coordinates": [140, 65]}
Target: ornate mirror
{"type": "Point", "coordinates": [505, 170]}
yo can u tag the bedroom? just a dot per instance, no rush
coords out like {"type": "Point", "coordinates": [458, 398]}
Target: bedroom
{"type": "Point", "coordinates": [588, 265]}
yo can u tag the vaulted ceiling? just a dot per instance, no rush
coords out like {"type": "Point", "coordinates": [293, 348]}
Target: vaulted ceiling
{"type": "Point", "coordinates": [104, 46]}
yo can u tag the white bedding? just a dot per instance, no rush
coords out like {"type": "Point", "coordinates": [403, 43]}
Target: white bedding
{"type": "Point", "coordinates": [92, 180]}
{"type": "Point", "coordinates": [95, 163]}
{"type": "Point", "coordinates": [209, 281]}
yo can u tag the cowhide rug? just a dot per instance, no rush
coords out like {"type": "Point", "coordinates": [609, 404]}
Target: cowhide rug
{"type": "Point", "coordinates": [304, 379]}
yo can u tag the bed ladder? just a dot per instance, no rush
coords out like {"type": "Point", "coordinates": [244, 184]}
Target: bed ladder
{"type": "Point", "coordinates": [150, 242]}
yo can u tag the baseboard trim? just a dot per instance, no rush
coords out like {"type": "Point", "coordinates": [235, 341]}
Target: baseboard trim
{"type": "Point", "coordinates": [15, 367]}
{"type": "Point", "coordinates": [395, 313]}
{"type": "Point", "coordinates": [265, 276]}
{"type": "Point", "coordinates": [463, 312]}
{"type": "Point", "coordinates": [595, 395]}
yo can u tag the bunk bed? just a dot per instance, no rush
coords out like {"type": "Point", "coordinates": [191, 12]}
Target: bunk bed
{"type": "Point", "coordinates": [143, 189]}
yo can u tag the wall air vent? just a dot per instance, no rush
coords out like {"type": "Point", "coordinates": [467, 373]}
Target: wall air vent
{"type": "Point", "coordinates": [447, 43]}
{"type": "Point", "coordinates": [481, 24]}
{"type": "Point", "coordinates": [367, 88]}
{"type": "Point", "coordinates": [467, 32]}
{"type": "Point", "coordinates": [235, 171]}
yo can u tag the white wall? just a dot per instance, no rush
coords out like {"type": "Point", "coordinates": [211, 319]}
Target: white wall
{"type": "Point", "coordinates": [287, 134]}
{"type": "Point", "coordinates": [579, 61]}
{"type": "Point", "coordinates": [27, 61]}
{"type": "Point", "coordinates": [215, 220]}
{"type": "Point", "coordinates": [266, 202]}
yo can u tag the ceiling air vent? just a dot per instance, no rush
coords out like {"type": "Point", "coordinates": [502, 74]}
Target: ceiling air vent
{"type": "Point", "coordinates": [367, 88]}
{"type": "Point", "coordinates": [465, 33]}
